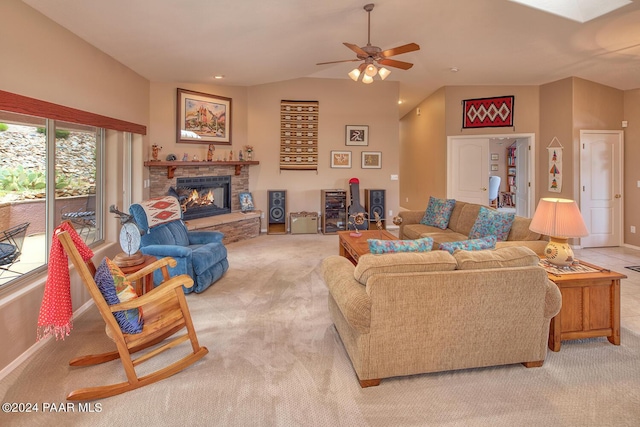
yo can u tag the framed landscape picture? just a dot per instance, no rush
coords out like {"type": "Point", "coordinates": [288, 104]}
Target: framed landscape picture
{"type": "Point", "coordinates": [371, 160]}
{"type": "Point", "coordinates": [341, 159]}
{"type": "Point", "coordinates": [203, 118]}
{"type": "Point", "coordinates": [357, 135]}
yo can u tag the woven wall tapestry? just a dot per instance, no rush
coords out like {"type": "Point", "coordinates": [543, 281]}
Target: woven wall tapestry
{"type": "Point", "coordinates": [555, 166]}
{"type": "Point", "coordinates": [487, 112]}
{"type": "Point", "coordinates": [299, 135]}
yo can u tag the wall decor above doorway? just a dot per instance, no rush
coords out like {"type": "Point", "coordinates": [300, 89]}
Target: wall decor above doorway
{"type": "Point", "coordinates": [487, 112]}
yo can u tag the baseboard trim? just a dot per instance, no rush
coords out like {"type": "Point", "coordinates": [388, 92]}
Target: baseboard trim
{"type": "Point", "coordinates": [38, 345]}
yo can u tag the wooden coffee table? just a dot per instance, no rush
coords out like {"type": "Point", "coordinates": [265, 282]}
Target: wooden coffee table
{"type": "Point", "coordinates": [590, 306]}
{"type": "Point", "coordinates": [353, 248]}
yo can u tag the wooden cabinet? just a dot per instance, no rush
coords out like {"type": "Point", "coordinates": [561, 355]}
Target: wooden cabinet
{"type": "Point", "coordinates": [334, 211]}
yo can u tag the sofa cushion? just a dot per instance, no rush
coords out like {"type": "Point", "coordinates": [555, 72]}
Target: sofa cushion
{"type": "Point", "coordinates": [517, 256]}
{"type": "Point", "coordinates": [379, 246]}
{"type": "Point", "coordinates": [492, 223]}
{"type": "Point", "coordinates": [463, 217]}
{"type": "Point", "coordinates": [438, 212]}
{"type": "Point", "coordinates": [403, 262]}
{"type": "Point", "coordinates": [520, 230]}
{"type": "Point", "coordinates": [488, 242]}
{"type": "Point", "coordinates": [115, 288]}
{"type": "Point", "coordinates": [416, 231]}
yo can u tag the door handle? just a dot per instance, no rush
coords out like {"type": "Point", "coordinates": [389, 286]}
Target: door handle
{"type": "Point", "coordinates": [617, 196]}
{"type": "Point", "coordinates": [484, 188]}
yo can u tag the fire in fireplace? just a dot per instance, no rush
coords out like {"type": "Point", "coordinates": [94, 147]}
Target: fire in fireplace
{"type": "Point", "coordinates": [203, 196]}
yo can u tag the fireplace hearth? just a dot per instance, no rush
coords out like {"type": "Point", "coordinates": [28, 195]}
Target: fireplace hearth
{"type": "Point", "coordinates": [203, 196]}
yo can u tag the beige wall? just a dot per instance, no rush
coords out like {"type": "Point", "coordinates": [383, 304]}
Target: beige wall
{"type": "Point", "coordinates": [631, 193]}
{"type": "Point", "coordinates": [256, 121]}
{"type": "Point", "coordinates": [556, 120]}
{"type": "Point", "coordinates": [423, 147]}
{"type": "Point", "coordinates": [42, 60]}
{"type": "Point", "coordinates": [423, 152]}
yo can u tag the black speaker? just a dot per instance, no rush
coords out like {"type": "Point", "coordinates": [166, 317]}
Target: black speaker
{"type": "Point", "coordinates": [277, 211]}
{"type": "Point", "coordinates": [374, 202]}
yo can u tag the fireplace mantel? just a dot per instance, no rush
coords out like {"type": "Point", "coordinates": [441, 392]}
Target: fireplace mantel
{"type": "Point", "coordinates": [171, 166]}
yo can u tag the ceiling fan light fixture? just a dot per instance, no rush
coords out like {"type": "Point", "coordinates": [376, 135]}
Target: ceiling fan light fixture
{"type": "Point", "coordinates": [366, 79]}
{"type": "Point", "coordinates": [371, 70]}
{"type": "Point", "coordinates": [383, 73]}
{"type": "Point", "coordinates": [354, 74]}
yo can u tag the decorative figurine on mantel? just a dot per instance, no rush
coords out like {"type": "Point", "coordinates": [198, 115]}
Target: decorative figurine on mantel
{"type": "Point", "coordinates": [240, 157]}
{"type": "Point", "coordinates": [231, 155]}
{"type": "Point", "coordinates": [185, 157]}
{"type": "Point", "coordinates": [249, 149]}
{"type": "Point", "coordinates": [212, 149]}
{"type": "Point", "coordinates": [155, 150]}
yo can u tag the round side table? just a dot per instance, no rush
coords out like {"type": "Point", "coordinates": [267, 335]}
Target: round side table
{"type": "Point", "coordinates": [146, 284]}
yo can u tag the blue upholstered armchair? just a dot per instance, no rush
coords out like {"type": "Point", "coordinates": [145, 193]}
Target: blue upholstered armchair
{"type": "Point", "coordinates": [200, 254]}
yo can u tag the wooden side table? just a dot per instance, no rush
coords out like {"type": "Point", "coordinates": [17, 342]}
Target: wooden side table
{"type": "Point", "coordinates": [590, 306]}
{"type": "Point", "coordinates": [146, 284]}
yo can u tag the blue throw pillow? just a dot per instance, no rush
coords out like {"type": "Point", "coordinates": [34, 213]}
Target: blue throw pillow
{"type": "Point", "coordinates": [378, 246]}
{"type": "Point", "coordinates": [488, 242]}
{"type": "Point", "coordinates": [438, 212]}
{"type": "Point", "coordinates": [130, 321]}
{"type": "Point", "coordinates": [492, 223]}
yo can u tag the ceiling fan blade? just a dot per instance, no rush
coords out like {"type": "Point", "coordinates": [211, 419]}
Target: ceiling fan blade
{"type": "Point", "coordinates": [335, 62]}
{"type": "Point", "coordinates": [397, 64]}
{"type": "Point", "coordinates": [356, 49]}
{"type": "Point", "coordinates": [400, 49]}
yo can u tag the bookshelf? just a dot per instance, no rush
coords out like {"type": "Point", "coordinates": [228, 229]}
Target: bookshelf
{"type": "Point", "coordinates": [509, 195]}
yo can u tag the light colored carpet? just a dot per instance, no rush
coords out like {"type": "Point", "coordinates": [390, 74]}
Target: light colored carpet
{"type": "Point", "coordinates": [276, 360]}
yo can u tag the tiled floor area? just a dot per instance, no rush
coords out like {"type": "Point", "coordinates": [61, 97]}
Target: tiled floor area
{"type": "Point", "coordinates": [617, 259]}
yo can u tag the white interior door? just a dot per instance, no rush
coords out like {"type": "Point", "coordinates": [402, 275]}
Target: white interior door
{"type": "Point", "coordinates": [522, 177]}
{"type": "Point", "coordinates": [601, 187]}
{"type": "Point", "coordinates": [468, 170]}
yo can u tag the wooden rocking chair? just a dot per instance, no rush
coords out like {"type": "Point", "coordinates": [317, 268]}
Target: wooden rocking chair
{"type": "Point", "coordinates": [165, 313]}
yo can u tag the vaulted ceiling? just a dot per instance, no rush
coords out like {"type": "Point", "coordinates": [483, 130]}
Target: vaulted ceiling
{"type": "Point", "coordinates": [254, 42]}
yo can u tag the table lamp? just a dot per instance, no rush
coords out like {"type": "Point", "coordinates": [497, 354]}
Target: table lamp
{"type": "Point", "coordinates": [559, 219]}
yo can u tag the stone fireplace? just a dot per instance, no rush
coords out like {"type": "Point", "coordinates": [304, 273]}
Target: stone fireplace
{"type": "Point", "coordinates": [234, 176]}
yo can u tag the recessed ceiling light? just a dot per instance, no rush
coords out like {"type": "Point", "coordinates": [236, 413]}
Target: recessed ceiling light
{"type": "Point", "coordinates": [454, 69]}
{"type": "Point", "coordinates": [577, 10]}
{"type": "Point", "coordinates": [218, 76]}
{"type": "Point", "coordinates": [399, 101]}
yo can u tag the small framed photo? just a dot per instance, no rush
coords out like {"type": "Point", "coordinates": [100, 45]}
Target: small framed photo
{"type": "Point", "coordinates": [246, 202]}
{"type": "Point", "coordinates": [371, 160]}
{"type": "Point", "coordinates": [357, 135]}
{"type": "Point", "coordinates": [495, 156]}
{"type": "Point", "coordinates": [341, 159]}
{"type": "Point", "coordinates": [494, 167]}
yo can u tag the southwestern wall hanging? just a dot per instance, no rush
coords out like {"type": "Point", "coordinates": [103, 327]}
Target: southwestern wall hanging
{"type": "Point", "coordinates": [487, 112]}
{"type": "Point", "coordinates": [299, 135]}
{"type": "Point", "coordinates": [555, 166]}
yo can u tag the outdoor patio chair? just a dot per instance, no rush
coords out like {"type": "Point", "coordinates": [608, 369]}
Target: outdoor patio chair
{"type": "Point", "coordinates": [11, 241]}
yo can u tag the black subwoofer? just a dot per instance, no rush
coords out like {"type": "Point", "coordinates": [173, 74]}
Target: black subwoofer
{"type": "Point", "coordinates": [374, 202]}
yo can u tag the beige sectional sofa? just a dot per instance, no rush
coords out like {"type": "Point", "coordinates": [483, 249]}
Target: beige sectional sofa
{"type": "Point", "coordinates": [463, 217]}
{"type": "Point", "coordinates": [411, 313]}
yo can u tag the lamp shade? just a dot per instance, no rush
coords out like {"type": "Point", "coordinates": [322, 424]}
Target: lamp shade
{"type": "Point", "coordinates": [354, 74]}
{"type": "Point", "coordinates": [383, 73]}
{"type": "Point", "coordinates": [558, 218]}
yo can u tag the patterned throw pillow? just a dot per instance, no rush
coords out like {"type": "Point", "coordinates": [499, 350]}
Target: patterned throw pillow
{"type": "Point", "coordinates": [377, 246]}
{"type": "Point", "coordinates": [438, 212]}
{"type": "Point", "coordinates": [488, 242]}
{"type": "Point", "coordinates": [492, 223]}
{"type": "Point", "coordinates": [115, 289]}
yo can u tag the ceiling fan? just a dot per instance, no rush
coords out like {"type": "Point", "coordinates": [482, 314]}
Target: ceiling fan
{"type": "Point", "coordinates": [372, 55]}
